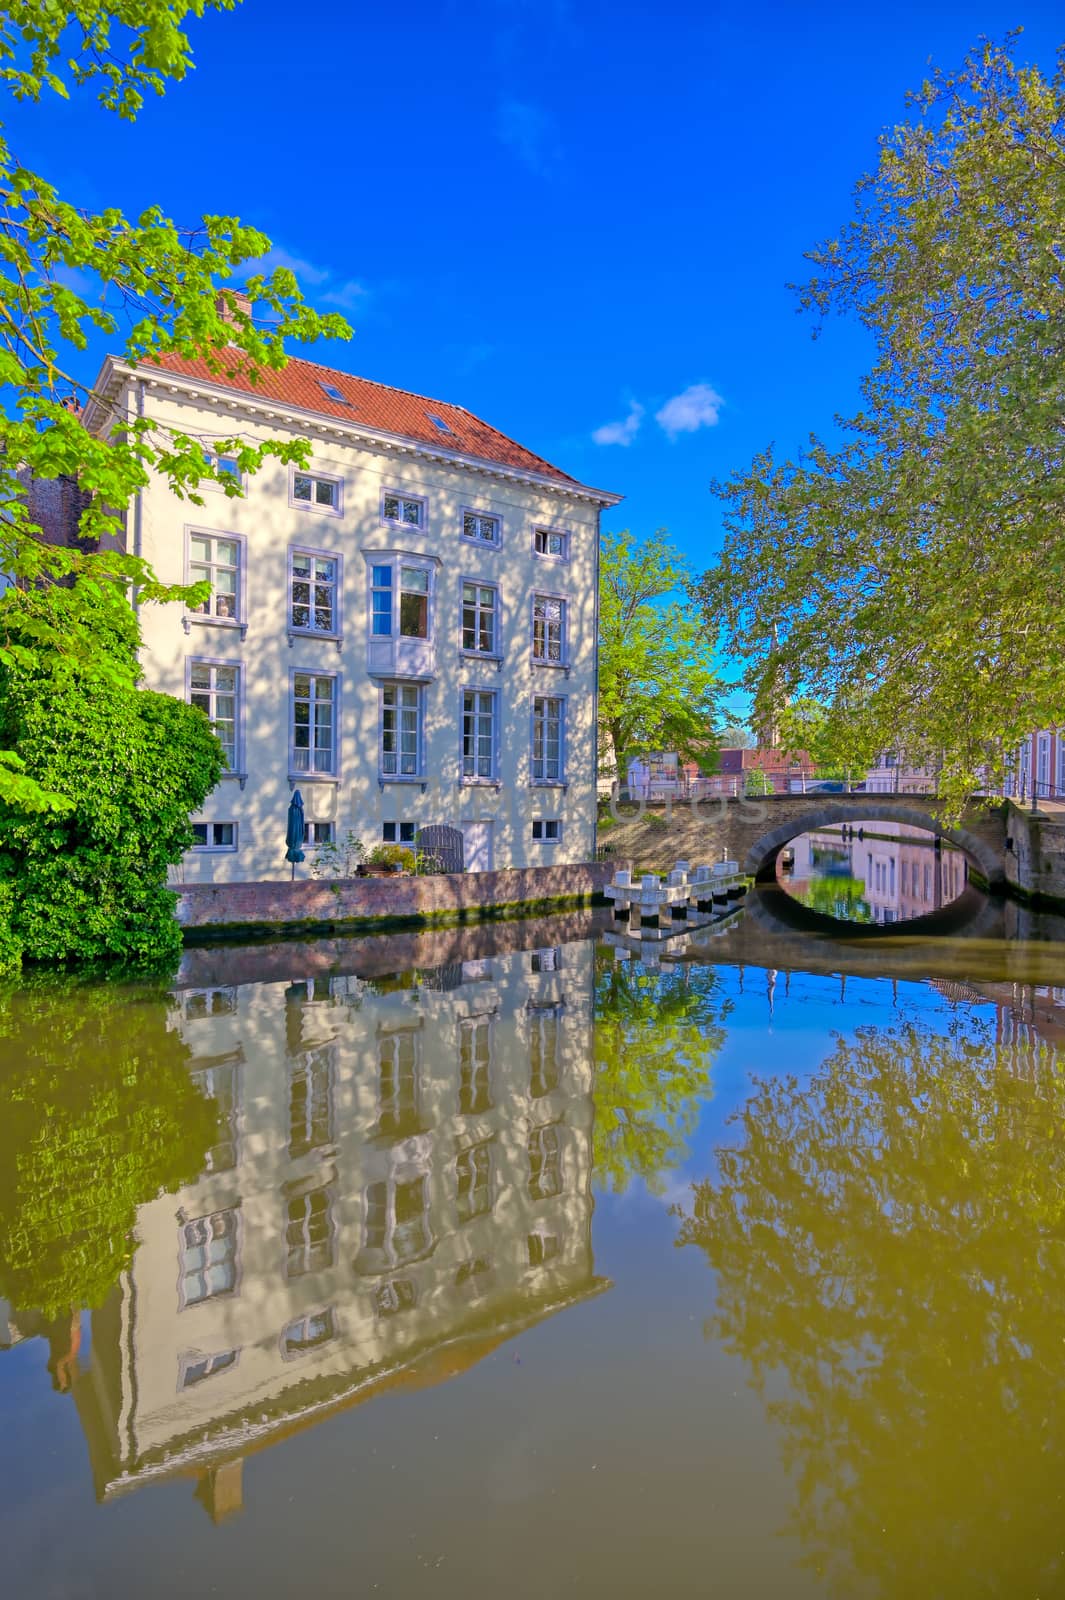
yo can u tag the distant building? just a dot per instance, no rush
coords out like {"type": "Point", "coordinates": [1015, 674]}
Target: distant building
{"type": "Point", "coordinates": [786, 771]}
{"type": "Point", "coordinates": [662, 777]}
{"type": "Point", "coordinates": [1040, 758]}
{"type": "Point", "coordinates": [891, 774]}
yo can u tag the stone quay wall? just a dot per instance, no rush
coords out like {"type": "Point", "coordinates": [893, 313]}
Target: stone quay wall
{"type": "Point", "coordinates": [222, 910]}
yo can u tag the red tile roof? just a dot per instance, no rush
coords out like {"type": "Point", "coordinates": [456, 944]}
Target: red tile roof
{"type": "Point", "coordinates": [375, 405]}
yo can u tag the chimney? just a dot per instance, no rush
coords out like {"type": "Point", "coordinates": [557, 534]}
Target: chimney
{"type": "Point", "coordinates": [241, 303]}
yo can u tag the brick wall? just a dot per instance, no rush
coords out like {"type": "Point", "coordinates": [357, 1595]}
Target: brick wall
{"type": "Point", "coordinates": [315, 904]}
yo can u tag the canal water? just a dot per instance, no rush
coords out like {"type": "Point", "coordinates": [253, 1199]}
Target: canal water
{"type": "Point", "coordinates": [512, 1261]}
{"type": "Point", "coordinates": [882, 872]}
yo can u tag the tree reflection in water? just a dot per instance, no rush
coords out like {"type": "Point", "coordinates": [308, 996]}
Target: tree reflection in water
{"type": "Point", "coordinates": [889, 1238]}
{"type": "Point", "coordinates": [656, 1037]}
{"type": "Point", "coordinates": [98, 1113]}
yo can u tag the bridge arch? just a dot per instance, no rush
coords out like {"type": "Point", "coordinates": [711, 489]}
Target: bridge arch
{"type": "Point", "coordinates": [761, 858]}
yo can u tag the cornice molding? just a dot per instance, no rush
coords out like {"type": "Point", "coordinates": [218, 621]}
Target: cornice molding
{"type": "Point", "coordinates": [299, 420]}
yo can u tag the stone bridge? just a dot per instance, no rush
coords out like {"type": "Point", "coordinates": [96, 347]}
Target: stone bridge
{"type": "Point", "coordinates": [754, 830]}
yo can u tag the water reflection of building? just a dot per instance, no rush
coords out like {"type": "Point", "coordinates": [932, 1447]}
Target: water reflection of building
{"type": "Point", "coordinates": [401, 1181]}
{"type": "Point", "coordinates": [903, 871]}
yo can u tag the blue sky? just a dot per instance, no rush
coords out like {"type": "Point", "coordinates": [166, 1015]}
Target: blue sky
{"type": "Point", "coordinates": [577, 219]}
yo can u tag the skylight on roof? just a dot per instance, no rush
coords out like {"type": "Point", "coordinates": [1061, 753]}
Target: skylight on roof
{"type": "Point", "coordinates": [334, 393]}
{"type": "Point", "coordinates": [438, 422]}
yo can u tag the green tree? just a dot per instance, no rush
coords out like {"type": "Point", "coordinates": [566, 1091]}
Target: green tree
{"type": "Point", "coordinates": [657, 689]}
{"type": "Point", "coordinates": [656, 1036]}
{"type": "Point", "coordinates": [804, 725]}
{"type": "Point", "coordinates": [89, 881]}
{"type": "Point", "coordinates": [152, 287]}
{"type": "Point", "coordinates": [910, 579]}
{"type": "Point", "coordinates": [887, 1246]}
{"type": "Point", "coordinates": [98, 1114]}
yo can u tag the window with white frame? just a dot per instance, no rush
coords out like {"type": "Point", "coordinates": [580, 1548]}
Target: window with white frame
{"type": "Point", "coordinates": [549, 630]}
{"type": "Point", "coordinates": [479, 712]}
{"type": "Point", "coordinates": [307, 1333]}
{"type": "Point", "coordinates": [399, 600]}
{"type": "Point", "coordinates": [547, 730]}
{"type": "Point", "coordinates": [549, 959]}
{"type": "Point", "coordinates": [193, 1367]}
{"type": "Point", "coordinates": [398, 1219]}
{"type": "Point", "coordinates": [319, 832]}
{"type": "Point", "coordinates": [310, 1101]}
{"type": "Point", "coordinates": [545, 1163]}
{"type": "Point", "coordinates": [314, 593]}
{"type": "Point", "coordinates": [413, 602]}
{"type": "Point", "coordinates": [475, 1065]}
{"type": "Point", "coordinates": [214, 687]}
{"type": "Point", "coordinates": [546, 830]}
{"type": "Point", "coordinates": [544, 1026]}
{"type": "Point", "coordinates": [480, 527]}
{"type": "Point", "coordinates": [309, 1231]}
{"type": "Point", "coordinates": [314, 723]}
{"type": "Point", "coordinates": [480, 609]}
{"type": "Point", "coordinates": [401, 730]}
{"type": "Point", "coordinates": [208, 1257]}
{"type": "Point", "coordinates": [406, 509]}
{"type": "Point", "coordinates": [381, 602]}
{"type": "Point", "coordinates": [227, 467]}
{"type": "Point", "coordinates": [316, 491]}
{"type": "Point", "coordinates": [220, 1082]}
{"type": "Point", "coordinates": [399, 832]}
{"type": "Point", "coordinates": [214, 558]}
{"type": "Point", "coordinates": [214, 836]}
{"type": "Point", "coordinates": [551, 542]}
{"type": "Point", "coordinates": [391, 1298]}
{"type": "Point", "coordinates": [542, 1248]}
{"type": "Point", "coordinates": [399, 1068]}
{"type": "Point", "coordinates": [473, 1170]}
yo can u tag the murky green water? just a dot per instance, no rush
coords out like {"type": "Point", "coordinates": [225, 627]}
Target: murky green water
{"type": "Point", "coordinates": [500, 1262]}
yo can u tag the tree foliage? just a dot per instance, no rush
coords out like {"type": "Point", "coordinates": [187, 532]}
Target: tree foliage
{"type": "Point", "coordinates": [656, 1036]}
{"type": "Point", "coordinates": [888, 1238]}
{"type": "Point", "coordinates": [657, 689]}
{"type": "Point", "coordinates": [151, 285]}
{"type": "Point", "coordinates": [910, 578]}
{"type": "Point", "coordinates": [88, 880]}
{"type": "Point", "coordinates": [98, 1114]}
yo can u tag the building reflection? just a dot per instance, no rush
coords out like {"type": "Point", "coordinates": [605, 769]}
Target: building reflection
{"type": "Point", "coordinates": [885, 873]}
{"type": "Point", "coordinates": [401, 1181]}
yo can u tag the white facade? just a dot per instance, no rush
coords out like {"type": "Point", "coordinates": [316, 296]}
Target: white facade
{"type": "Point", "coordinates": [402, 1180]}
{"type": "Point", "coordinates": [405, 633]}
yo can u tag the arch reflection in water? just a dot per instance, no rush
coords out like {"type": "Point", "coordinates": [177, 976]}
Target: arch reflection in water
{"type": "Point", "coordinates": [401, 1181]}
{"type": "Point", "coordinates": [879, 872]}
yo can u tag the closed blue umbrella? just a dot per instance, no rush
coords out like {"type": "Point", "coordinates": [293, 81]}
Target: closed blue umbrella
{"type": "Point", "coordinates": [295, 831]}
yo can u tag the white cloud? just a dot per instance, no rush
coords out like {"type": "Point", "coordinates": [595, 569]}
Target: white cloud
{"type": "Point", "coordinates": [74, 279]}
{"type": "Point", "coordinates": [529, 131]}
{"type": "Point", "coordinates": [623, 432]}
{"type": "Point", "coordinates": [306, 271]}
{"type": "Point", "coordinates": [699, 406]}
{"type": "Point", "coordinates": [317, 283]}
{"type": "Point", "coordinates": [349, 296]}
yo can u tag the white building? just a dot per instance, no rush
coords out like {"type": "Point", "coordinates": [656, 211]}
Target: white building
{"type": "Point", "coordinates": [401, 1182]}
{"type": "Point", "coordinates": [405, 629]}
